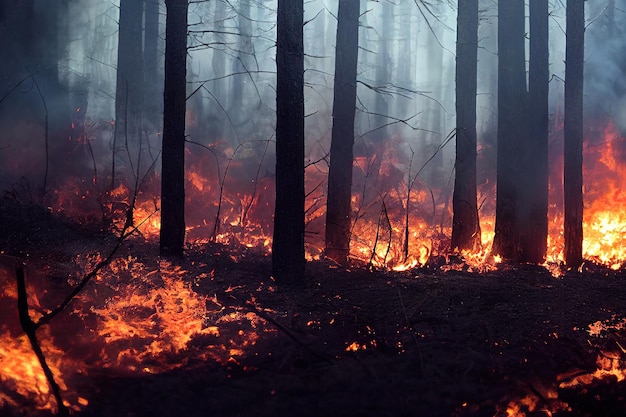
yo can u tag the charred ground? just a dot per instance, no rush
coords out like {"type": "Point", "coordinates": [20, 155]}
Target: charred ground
{"type": "Point", "coordinates": [349, 342]}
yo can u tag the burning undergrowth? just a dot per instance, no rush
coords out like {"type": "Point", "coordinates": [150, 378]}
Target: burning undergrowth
{"type": "Point", "coordinates": [211, 334]}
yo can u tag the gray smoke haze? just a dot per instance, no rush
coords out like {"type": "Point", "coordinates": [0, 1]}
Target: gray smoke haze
{"type": "Point", "coordinates": [407, 54]}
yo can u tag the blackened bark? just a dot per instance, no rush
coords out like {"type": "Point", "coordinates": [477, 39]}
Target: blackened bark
{"type": "Point", "coordinates": [288, 262]}
{"type": "Point", "coordinates": [573, 132]}
{"type": "Point", "coordinates": [511, 115]}
{"type": "Point", "coordinates": [173, 154]}
{"type": "Point", "coordinates": [341, 153]}
{"type": "Point", "coordinates": [465, 225]}
{"type": "Point", "coordinates": [534, 193]}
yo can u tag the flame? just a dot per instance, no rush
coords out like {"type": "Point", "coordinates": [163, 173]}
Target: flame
{"type": "Point", "coordinates": [21, 372]}
{"type": "Point", "coordinates": [611, 357]}
{"type": "Point", "coordinates": [158, 314]}
{"type": "Point", "coordinates": [604, 221]}
{"type": "Point", "coordinates": [143, 318]}
{"type": "Point", "coordinates": [399, 222]}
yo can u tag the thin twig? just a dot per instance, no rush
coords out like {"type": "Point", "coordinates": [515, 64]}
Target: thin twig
{"type": "Point", "coordinates": [30, 329]}
{"type": "Point", "coordinates": [283, 329]}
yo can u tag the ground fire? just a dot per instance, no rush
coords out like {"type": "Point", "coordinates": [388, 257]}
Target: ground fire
{"type": "Point", "coordinates": [141, 316]}
{"type": "Point", "coordinates": [241, 208]}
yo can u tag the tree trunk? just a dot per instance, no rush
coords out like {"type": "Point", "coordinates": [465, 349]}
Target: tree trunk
{"type": "Point", "coordinates": [465, 225]}
{"type": "Point", "coordinates": [129, 84]}
{"type": "Point", "coordinates": [573, 133]}
{"type": "Point", "coordinates": [152, 87]}
{"type": "Point", "coordinates": [511, 115]}
{"type": "Point", "coordinates": [534, 204]}
{"type": "Point", "coordinates": [383, 74]}
{"type": "Point", "coordinates": [174, 106]}
{"type": "Point", "coordinates": [341, 154]}
{"type": "Point", "coordinates": [245, 61]}
{"type": "Point", "coordinates": [288, 262]}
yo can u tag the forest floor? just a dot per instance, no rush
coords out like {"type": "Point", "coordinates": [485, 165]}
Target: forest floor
{"type": "Point", "coordinates": [427, 342]}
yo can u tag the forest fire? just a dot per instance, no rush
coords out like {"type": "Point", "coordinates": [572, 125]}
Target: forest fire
{"type": "Point", "coordinates": [268, 209]}
{"type": "Point", "coordinates": [145, 317]}
{"type": "Point", "coordinates": [136, 319]}
{"type": "Point", "coordinates": [237, 210]}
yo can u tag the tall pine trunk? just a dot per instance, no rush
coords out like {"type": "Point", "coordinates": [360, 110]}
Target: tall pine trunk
{"type": "Point", "coordinates": [341, 153]}
{"type": "Point", "coordinates": [573, 132]}
{"type": "Point", "coordinates": [465, 225]}
{"type": "Point", "coordinates": [511, 116]}
{"type": "Point", "coordinates": [534, 204]}
{"type": "Point", "coordinates": [245, 60]}
{"type": "Point", "coordinates": [172, 238]}
{"type": "Point", "coordinates": [152, 86]}
{"type": "Point", "coordinates": [129, 85]}
{"type": "Point", "coordinates": [288, 262]}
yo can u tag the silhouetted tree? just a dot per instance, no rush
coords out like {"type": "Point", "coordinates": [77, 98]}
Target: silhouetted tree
{"type": "Point", "coordinates": [153, 82]}
{"type": "Point", "coordinates": [130, 79]}
{"type": "Point", "coordinates": [534, 184]}
{"type": "Point", "coordinates": [288, 262]}
{"type": "Point", "coordinates": [465, 225]}
{"type": "Point", "coordinates": [172, 237]}
{"type": "Point", "coordinates": [341, 149]}
{"type": "Point", "coordinates": [573, 132]}
{"type": "Point", "coordinates": [511, 123]}
{"type": "Point", "coordinates": [245, 60]}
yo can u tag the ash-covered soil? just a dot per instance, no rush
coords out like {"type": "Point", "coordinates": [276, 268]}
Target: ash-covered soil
{"type": "Point", "coordinates": [350, 342]}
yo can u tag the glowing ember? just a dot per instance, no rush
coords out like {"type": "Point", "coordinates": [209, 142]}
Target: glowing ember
{"type": "Point", "coordinates": [230, 201]}
{"type": "Point", "coordinates": [157, 314]}
{"type": "Point", "coordinates": [22, 374]}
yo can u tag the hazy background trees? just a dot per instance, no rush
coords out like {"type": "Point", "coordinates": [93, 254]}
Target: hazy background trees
{"type": "Point", "coordinates": [62, 64]}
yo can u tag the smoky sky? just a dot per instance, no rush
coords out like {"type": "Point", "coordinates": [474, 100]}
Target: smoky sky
{"type": "Point", "coordinates": [408, 58]}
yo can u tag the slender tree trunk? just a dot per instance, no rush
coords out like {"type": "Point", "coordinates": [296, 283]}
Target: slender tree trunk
{"type": "Point", "coordinates": [511, 115]}
{"type": "Point", "coordinates": [174, 106]}
{"type": "Point", "coordinates": [465, 225]}
{"type": "Point", "coordinates": [341, 153]}
{"type": "Point", "coordinates": [573, 131]}
{"type": "Point", "coordinates": [381, 105]}
{"type": "Point", "coordinates": [130, 80]}
{"type": "Point", "coordinates": [436, 176]}
{"type": "Point", "coordinates": [245, 57]}
{"type": "Point", "coordinates": [534, 204]}
{"type": "Point", "coordinates": [152, 86]}
{"type": "Point", "coordinates": [288, 262]}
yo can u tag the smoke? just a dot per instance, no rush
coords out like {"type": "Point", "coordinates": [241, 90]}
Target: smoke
{"type": "Point", "coordinates": [605, 60]}
{"type": "Point", "coordinates": [405, 91]}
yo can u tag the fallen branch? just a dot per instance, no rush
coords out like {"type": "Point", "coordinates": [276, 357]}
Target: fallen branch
{"type": "Point", "coordinates": [283, 329]}
{"type": "Point", "coordinates": [30, 329]}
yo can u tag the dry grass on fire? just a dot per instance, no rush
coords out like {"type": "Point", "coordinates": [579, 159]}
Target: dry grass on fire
{"type": "Point", "coordinates": [347, 343]}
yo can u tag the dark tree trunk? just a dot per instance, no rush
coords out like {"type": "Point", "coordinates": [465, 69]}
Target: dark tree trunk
{"type": "Point", "coordinates": [50, 55]}
{"type": "Point", "coordinates": [152, 84]}
{"type": "Point", "coordinates": [288, 263]}
{"type": "Point", "coordinates": [245, 58]}
{"type": "Point", "coordinates": [381, 104]}
{"type": "Point", "coordinates": [534, 192]}
{"type": "Point", "coordinates": [573, 133]}
{"type": "Point", "coordinates": [511, 115]}
{"type": "Point", "coordinates": [383, 76]}
{"type": "Point", "coordinates": [130, 80]}
{"type": "Point", "coordinates": [465, 225]}
{"type": "Point", "coordinates": [173, 154]}
{"type": "Point", "coordinates": [341, 154]}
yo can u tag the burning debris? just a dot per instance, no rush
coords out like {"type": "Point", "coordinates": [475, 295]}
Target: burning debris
{"type": "Point", "coordinates": [510, 341]}
{"type": "Point", "coordinates": [400, 322]}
